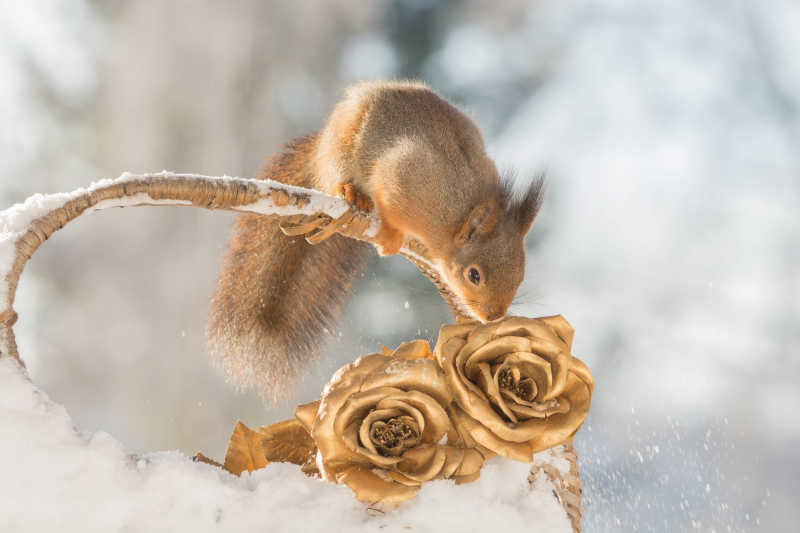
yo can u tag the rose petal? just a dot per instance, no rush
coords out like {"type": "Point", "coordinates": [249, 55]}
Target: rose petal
{"type": "Point", "coordinates": [447, 349]}
{"type": "Point", "coordinates": [422, 375]}
{"type": "Point", "coordinates": [306, 413]}
{"type": "Point", "coordinates": [436, 421]}
{"type": "Point", "coordinates": [542, 410]}
{"type": "Point", "coordinates": [527, 327]}
{"type": "Point", "coordinates": [582, 372]}
{"type": "Point", "coordinates": [358, 405]}
{"type": "Point", "coordinates": [453, 459]}
{"type": "Point", "coordinates": [401, 478]}
{"type": "Point", "coordinates": [350, 438]}
{"type": "Point", "coordinates": [364, 455]}
{"type": "Point", "coordinates": [517, 375]}
{"type": "Point", "coordinates": [461, 462]}
{"type": "Point", "coordinates": [521, 451]}
{"type": "Point", "coordinates": [366, 424]}
{"type": "Point", "coordinates": [469, 478]}
{"type": "Point", "coordinates": [416, 349]}
{"type": "Point", "coordinates": [477, 406]}
{"type": "Point", "coordinates": [559, 365]}
{"type": "Point", "coordinates": [491, 386]}
{"type": "Point", "coordinates": [551, 338]}
{"type": "Point", "coordinates": [458, 332]}
{"type": "Point", "coordinates": [368, 487]}
{"type": "Point", "coordinates": [346, 381]}
{"type": "Point", "coordinates": [399, 402]}
{"type": "Point", "coordinates": [562, 328]}
{"type": "Point", "coordinates": [492, 350]}
{"type": "Point", "coordinates": [478, 337]}
{"type": "Point", "coordinates": [350, 377]}
{"type": "Point", "coordinates": [483, 411]}
{"type": "Point", "coordinates": [472, 463]}
{"type": "Point", "coordinates": [475, 339]}
{"type": "Point", "coordinates": [423, 463]}
{"type": "Point", "coordinates": [561, 427]}
{"type": "Point", "coordinates": [532, 366]}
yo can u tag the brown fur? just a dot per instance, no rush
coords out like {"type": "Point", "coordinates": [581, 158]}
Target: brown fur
{"type": "Point", "coordinates": [277, 294]}
{"type": "Point", "coordinates": [422, 164]}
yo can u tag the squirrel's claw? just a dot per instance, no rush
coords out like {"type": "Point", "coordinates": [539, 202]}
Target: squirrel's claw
{"type": "Point", "coordinates": [330, 228]}
{"type": "Point", "coordinates": [353, 196]}
{"type": "Point", "coordinates": [318, 227]}
{"type": "Point", "coordinates": [301, 224]}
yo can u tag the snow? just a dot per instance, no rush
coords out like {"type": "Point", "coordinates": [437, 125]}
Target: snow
{"type": "Point", "coordinates": [334, 207]}
{"type": "Point", "coordinates": [131, 201]}
{"type": "Point", "coordinates": [57, 477]}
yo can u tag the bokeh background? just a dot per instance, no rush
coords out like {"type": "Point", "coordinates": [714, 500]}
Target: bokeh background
{"type": "Point", "coordinates": [670, 236]}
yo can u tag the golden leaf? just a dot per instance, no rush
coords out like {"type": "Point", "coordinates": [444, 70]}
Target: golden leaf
{"type": "Point", "coordinates": [245, 450]}
{"type": "Point", "coordinates": [288, 442]}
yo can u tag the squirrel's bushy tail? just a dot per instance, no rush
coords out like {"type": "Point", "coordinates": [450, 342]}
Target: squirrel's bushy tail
{"type": "Point", "coordinates": [277, 296]}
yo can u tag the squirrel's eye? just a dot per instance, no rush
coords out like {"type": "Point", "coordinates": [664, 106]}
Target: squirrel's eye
{"type": "Point", "coordinates": [474, 276]}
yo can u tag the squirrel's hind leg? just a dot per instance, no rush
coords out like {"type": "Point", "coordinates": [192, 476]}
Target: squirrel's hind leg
{"type": "Point", "coordinates": [389, 239]}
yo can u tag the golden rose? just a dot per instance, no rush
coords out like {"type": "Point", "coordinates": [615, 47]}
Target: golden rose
{"type": "Point", "coordinates": [382, 426]}
{"type": "Point", "coordinates": [517, 389]}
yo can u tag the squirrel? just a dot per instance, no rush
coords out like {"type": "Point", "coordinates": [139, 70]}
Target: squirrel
{"type": "Point", "coordinates": [403, 151]}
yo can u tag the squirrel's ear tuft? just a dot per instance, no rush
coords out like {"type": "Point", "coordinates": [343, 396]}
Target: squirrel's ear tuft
{"type": "Point", "coordinates": [480, 221]}
{"type": "Point", "coordinates": [524, 209]}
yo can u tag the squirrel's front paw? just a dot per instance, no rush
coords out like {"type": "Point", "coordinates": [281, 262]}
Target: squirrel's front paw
{"type": "Point", "coordinates": [388, 240]}
{"type": "Point", "coordinates": [353, 196]}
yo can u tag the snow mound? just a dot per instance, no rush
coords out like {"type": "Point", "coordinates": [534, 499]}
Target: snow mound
{"type": "Point", "coordinates": [56, 477]}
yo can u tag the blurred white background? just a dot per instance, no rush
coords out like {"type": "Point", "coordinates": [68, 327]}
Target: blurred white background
{"type": "Point", "coordinates": [670, 235]}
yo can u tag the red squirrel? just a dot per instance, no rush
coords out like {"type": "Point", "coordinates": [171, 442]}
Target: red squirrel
{"type": "Point", "coordinates": [403, 151]}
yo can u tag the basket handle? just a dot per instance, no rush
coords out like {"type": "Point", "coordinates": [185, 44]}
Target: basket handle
{"type": "Point", "coordinates": [24, 227]}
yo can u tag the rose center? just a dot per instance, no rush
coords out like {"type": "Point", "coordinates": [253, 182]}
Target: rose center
{"type": "Point", "coordinates": [522, 388]}
{"type": "Point", "coordinates": [393, 436]}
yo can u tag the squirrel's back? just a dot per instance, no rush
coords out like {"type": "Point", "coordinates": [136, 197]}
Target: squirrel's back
{"type": "Point", "coordinates": [405, 146]}
{"type": "Point", "coordinates": [374, 117]}
{"type": "Point", "coordinates": [276, 295]}
{"type": "Point", "coordinates": [421, 164]}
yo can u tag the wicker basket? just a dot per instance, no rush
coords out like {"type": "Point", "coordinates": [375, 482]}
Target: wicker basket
{"type": "Point", "coordinates": [302, 211]}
